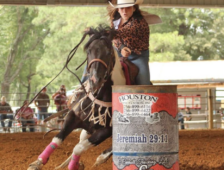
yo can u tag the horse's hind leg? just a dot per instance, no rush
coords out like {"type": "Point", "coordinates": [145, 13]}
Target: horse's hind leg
{"type": "Point", "coordinates": [69, 125]}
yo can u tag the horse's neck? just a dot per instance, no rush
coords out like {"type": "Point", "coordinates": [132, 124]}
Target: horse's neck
{"type": "Point", "coordinates": [117, 74]}
{"type": "Point", "coordinates": [105, 93]}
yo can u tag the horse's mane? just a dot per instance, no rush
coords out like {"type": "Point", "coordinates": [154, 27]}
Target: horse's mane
{"type": "Point", "coordinates": [100, 32]}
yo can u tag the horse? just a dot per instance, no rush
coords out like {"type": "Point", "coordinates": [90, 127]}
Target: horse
{"type": "Point", "coordinates": [90, 108]}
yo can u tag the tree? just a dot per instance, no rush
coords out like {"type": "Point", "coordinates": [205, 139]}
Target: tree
{"type": "Point", "coordinates": [65, 34]}
{"type": "Point", "coordinates": [168, 47]}
{"type": "Point", "coordinates": [21, 44]}
{"type": "Point", "coordinates": [201, 29]}
{"type": "Point", "coordinates": [35, 41]}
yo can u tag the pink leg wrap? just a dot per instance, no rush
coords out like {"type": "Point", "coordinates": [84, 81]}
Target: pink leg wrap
{"type": "Point", "coordinates": [47, 152]}
{"type": "Point", "coordinates": [74, 163]}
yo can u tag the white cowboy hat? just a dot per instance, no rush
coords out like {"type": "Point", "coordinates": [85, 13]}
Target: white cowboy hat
{"type": "Point", "coordinates": [126, 3]}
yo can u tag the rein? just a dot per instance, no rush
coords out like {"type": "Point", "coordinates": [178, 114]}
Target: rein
{"type": "Point", "coordinates": [70, 56]}
{"type": "Point", "coordinates": [93, 99]}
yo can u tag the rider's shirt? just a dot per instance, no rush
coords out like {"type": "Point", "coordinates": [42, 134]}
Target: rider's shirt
{"type": "Point", "coordinates": [133, 34]}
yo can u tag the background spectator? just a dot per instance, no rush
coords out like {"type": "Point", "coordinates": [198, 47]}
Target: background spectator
{"type": "Point", "coordinates": [60, 100]}
{"type": "Point", "coordinates": [188, 112]}
{"type": "Point", "coordinates": [180, 118]}
{"type": "Point", "coordinates": [220, 112]}
{"type": "Point", "coordinates": [42, 102]}
{"type": "Point", "coordinates": [25, 115]}
{"type": "Point", "coordinates": [5, 110]}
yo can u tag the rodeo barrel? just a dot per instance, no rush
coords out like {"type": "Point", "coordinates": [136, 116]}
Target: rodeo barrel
{"type": "Point", "coordinates": [145, 128]}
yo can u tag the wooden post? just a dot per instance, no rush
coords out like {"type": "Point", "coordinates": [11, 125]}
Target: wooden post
{"type": "Point", "coordinates": [210, 108]}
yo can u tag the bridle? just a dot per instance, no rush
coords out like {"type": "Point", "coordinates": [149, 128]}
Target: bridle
{"type": "Point", "coordinates": [96, 60]}
{"type": "Point", "coordinates": [109, 66]}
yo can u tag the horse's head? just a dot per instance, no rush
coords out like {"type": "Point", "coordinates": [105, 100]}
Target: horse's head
{"type": "Point", "coordinates": [100, 56]}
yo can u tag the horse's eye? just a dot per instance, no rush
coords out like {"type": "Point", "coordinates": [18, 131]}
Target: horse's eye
{"type": "Point", "coordinates": [88, 51]}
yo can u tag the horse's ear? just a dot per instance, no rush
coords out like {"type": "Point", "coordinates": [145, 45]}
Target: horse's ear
{"type": "Point", "coordinates": [88, 31]}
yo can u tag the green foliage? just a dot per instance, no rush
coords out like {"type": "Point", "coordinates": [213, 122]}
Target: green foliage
{"type": "Point", "coordinates": [21, 46]}
{"type": "Point", "coordinates": [184, 35]}
{"type": "Point", "coordinates": [202, 31]}
{"type": "Point", "coordinates": [167, 47]}
{"type": "Point", "coordinates": [65, 34]}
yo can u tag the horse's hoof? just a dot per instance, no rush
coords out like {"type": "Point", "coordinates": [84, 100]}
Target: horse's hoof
{"type": "Point", "coordinates": [102, 158]}
{"type": "Point", "coordinates": [36, 165]}
{"type": "Point", "coordinates": [81, 166]}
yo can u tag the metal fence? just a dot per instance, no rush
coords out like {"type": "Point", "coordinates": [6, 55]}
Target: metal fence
{"type": "Point", "coordinates": [205, 104]}
{"type": "Point", "coordinates": [16, 101]}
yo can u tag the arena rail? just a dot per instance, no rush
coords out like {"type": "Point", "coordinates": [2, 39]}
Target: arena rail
{"type": "Point", "coordinates": [196, 99]}
{"type": "Point", "coordinates": [202, 124]}
{"type": "Point", "coordinates": [38, 126]}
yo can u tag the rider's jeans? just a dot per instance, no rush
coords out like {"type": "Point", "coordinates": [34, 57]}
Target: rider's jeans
{"type": "Point", "coordinates": [142, 62]}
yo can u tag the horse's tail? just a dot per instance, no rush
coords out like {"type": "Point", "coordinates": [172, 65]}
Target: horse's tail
{"type": "Point", "coordinates": [65, 163]}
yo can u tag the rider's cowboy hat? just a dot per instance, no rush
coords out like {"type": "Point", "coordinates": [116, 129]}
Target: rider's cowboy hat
{"type": "Point", "coordinates": [126, 3]}
{"type": "Point", "coordinates": [150, 18]}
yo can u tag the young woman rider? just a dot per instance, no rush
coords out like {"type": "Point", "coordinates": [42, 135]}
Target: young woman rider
{"type": "Point", "coordinates": [132, 38]}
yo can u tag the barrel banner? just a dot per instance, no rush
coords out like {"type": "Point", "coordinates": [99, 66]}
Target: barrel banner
{"type": "Point", "coordinates": [141, 104]}
{"type": "Point", "coordinates": [145, 131]}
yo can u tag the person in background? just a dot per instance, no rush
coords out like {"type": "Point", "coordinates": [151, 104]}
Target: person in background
{"type": "Point", "coordinates": [132, 34]}
{"type": "Point", "coordinates": [188, 112]}
{"type": "Point", "coordinates": [60, 101]}
{"type": "Point", "coordinates": [180, 118]}
{"type": "Point", "coordinates": [62, 87]}
{"type": "Point", "coordinates": [25, 115]}
{"type": "Point", "coordinates": [220, 112]}
{"type": "Point", "coordinates": [42, 102]}
{"type": "Point", "coordinates": [5, 113]}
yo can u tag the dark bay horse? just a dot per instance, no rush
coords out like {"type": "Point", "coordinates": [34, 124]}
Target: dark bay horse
{"type": "Point", "coordinates": [90, 111]}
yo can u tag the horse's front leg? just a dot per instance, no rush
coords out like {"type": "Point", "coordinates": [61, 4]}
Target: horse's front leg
{"type": "Point", "coordinates": [69, 125]}
{"type": "Point", "coordinates": [84, 135]}
{"type": "Point", "coordinates": [96, 138]}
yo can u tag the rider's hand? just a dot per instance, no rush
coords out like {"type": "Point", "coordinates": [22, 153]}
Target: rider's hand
{"type": "Point", "coordinates": [125, 52]}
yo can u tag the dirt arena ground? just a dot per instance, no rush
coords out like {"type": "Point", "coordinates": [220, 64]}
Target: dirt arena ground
{"type": "Point", "coordinates": [199, 150]}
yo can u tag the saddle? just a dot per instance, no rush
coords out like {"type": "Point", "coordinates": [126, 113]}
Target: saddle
{"type": "Point", "coordinates": [130, 70]}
